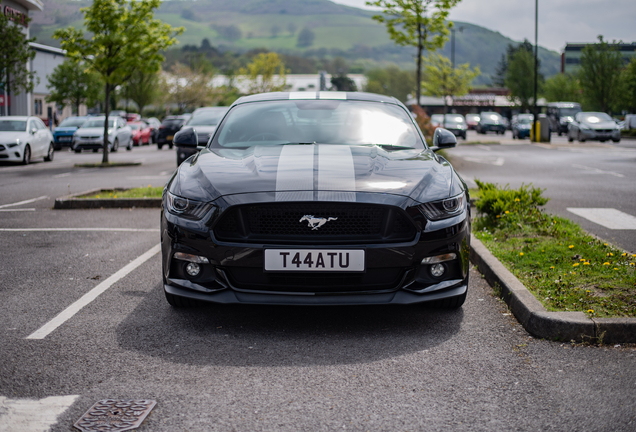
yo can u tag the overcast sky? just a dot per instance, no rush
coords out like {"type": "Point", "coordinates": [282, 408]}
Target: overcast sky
{"type": "Point", "coordinates": [560, 21]}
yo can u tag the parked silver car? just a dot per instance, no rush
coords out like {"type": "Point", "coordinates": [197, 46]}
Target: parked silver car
{"type": "Point", "coordinates": [593, 126]}
{"type": "Point", "coordinates": [91, 135]}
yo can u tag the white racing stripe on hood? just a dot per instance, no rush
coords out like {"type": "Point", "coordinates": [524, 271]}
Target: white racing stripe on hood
{"type": "Point", "coordinates": [336, 173]}
{"type": "Point", "coordinates": [295, 173]}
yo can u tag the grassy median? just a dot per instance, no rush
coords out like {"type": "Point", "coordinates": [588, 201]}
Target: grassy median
{"type": "Point", "coordinates": [140, 192]}
{"type": "Point", "coordinates": [563, 266]}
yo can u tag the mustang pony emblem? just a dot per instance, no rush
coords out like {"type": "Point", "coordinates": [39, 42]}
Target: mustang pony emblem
{"type": "Point", "coordinates": [314, 223]}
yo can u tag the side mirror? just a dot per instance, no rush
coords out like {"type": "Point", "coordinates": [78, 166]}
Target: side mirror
{"type": "Point", "coordinates": [442, 139]}
{"type": "Point", "coordinates": [33, 131]}
{"type": "Point", "coordinates": [186, 137]}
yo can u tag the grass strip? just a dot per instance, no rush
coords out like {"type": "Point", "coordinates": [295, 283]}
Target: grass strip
{"type": "Point", "coordinates": [141, 192]}
{"type": "Point", "coordinates": [564, 267]}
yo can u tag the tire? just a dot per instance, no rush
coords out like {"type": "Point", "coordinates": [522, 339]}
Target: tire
{"type": "Point", "coordinates": [616, 140]}
{"type": "Point", "coordinates": [451, 302]}
{"type": "Point", "coordinates": [159, 146]}
{"type": "Point", "coordinates": [149, 140]}
{"type": "Point", "coordinates": [115, 145]}
{"type": "Point", "coordinates": [49, 156]}
{"type": "Point", "coordinates": [170, 146]}
{"type": "Point", "coordinates": [57, 147]}
{"type": "Point", "coordinates": [26, 157]}
{"type": "Point", "coordinates": [77, 150]}
{"type": "Point", "coordinates": [129, 147]}
{"type": "Point", "coordinates": [570, 139]}
{"type": "Point", "coordinates": [95, 150]}
{"type": "Point", "coordinates": [180, 302]}
{"type": "Point", "coordinates": [580, 137]}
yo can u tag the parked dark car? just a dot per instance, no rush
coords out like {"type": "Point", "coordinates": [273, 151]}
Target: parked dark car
{"type": "Point", "coordinates": [154, 125]}
{"type": "Point", "coordinates": [521, 125]}
{"type": "Point", "coordinates": [593, 126]}
{"type": "Point", "coordinates": [491, 122]}
{"type": "Point", "coordinates": [63, 134]}
{"type": "Point", "coordinates": [333, 200]}
{"type": "Point", "coordinates": [170, 126]}
{"type": "Point", "coordinates": [204, 121]}
{"type": "Point", "coordinates": [561, 115]}
{"type": "Point", "coordinates": [456, 124]}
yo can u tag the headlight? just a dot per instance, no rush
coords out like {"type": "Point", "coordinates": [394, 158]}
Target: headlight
{"type": "Point", "coordinates": [444, 209]}
{"type": "Point", "coordinates": [186, 208]}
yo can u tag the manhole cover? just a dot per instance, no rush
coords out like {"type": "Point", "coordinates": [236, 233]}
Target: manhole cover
{"type": "Point", "coordinates": [115, 415]}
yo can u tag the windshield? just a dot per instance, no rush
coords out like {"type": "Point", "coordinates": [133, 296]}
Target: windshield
{"type": "Point", "coordinates": [568, 112]}
{"type": "Point", "coordinates": [525, 119]}
{"type": "Point", "coordinates": [596, 117]}
{"type": "Point", "coordinates": [98, 123]}
{"type": "Point", "coordinates": [206, 119]}
{"type": "Point", "coordinates": [454, 118]}
{"type": "Point", "coordinates": [317, 121]}
{"type": "Point", "coordinates": [134, 126]}
{"type": "Point", "coordinates": [13, 125]}
{"type": "Point", "coordinates": [72, 122]}
{"type": "Point", "coordinates": [492, 118]}
{"type": "Point", "coordinates": [172, 122]}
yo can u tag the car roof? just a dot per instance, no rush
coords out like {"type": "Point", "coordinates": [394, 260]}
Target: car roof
{"type": "Point", "coordinates": [306, 95]}
{"type": "Point", "coordinates": [16, 117]}
{"type": "Point", "coordinates": [564, 104]}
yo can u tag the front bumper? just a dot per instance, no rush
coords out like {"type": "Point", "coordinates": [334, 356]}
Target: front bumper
{"type": "Point", "coordinates": [591, 134]}
{"type": "Point", "coordinates": [394, 273]}
{"type": "Point", "coordinates": [11, 154]}
{"type": "Point", "coordinates": [88, 144]}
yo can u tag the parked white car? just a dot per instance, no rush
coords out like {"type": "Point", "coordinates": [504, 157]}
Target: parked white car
{"type": "Point", "coordinates": [24, 138]}
{"type": "Point", "coordinates": [90, 136]}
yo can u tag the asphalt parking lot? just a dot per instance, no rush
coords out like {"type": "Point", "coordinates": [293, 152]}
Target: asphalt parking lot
{"type": "Point", "coordinates": [255, 367]}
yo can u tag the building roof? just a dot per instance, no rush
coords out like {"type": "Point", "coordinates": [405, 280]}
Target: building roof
{"type": "Point", "coordinates": [47, 49]}
{"type": "Point", "coordinates": [31, 4]}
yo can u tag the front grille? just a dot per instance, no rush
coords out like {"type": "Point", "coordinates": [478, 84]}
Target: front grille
{"type": "Point", "coordinates": [344, 223]}
{"type": "Point", "coordinates": [379, 279]}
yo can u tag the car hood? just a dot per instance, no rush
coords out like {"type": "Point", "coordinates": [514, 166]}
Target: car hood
{"type": "Point", "coordinates": [90, 131]}
{"type": "Point", "coordinates": [7, 137]}
{"type": "Point", "coordinates": [601, 125]}
{"type": "Point", "coordinates": [316, 172]}
{"type": "Point", "coordinates": [65, 129]}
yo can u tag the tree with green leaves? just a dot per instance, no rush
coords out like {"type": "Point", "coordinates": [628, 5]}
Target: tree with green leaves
{"type": "Point", "coordinates": [501, 70]}
{"type": "Point", "coordinates": [562, 87]}
{"type": "Point", "coordinates": [629, 79]}
{"type": "Point", "coordinates": [70, 84]}
{"type": "Point", "coordinates": [391, 81]}
{"type": "Point", "coordinates": [442, 80]}
{"type": "Point", "coordinates": [599, 75]}
{"type": "Point", "coordinates": [15, 53]}
{"type": "Point", "coordinates": [266, 73]}
{"type": "Point", "coordinates": [305, 38]}
{"type": "Point", "coordinates": [123, 37]}
{"type": "Point", "coordinates": [418, 23]}
{"type": "Point", "coordinates": [142, 88]}
{"type": "Point", "coordinates": [520, 77]}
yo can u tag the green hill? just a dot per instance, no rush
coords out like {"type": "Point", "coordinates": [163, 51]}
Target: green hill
{"type": "Point", "coordinates": [241, 25]}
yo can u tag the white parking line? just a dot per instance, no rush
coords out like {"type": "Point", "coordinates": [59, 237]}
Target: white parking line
{"type": "Point", "coordinates": [81, 229]}
{"type": "Point", "coordinates": [23, 202]}
{"type": "Point", "coordinates": [87, 298]}
{"type": "Point", "coordinates": [607, 217]}
{"type": "Point", "coordinates": [485, 160]}
{"type": "Point", "coordinates": [17, 210]}
{"type": "Point", "coordinates": [32, 415]}
{"type": "Point", "coordinates": [597, 171]}
{"type": "Point", "coordinates": [62, 175]}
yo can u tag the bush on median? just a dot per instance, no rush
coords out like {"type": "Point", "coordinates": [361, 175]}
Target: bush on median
{"type": "Point", "coordinates": [564, 267]}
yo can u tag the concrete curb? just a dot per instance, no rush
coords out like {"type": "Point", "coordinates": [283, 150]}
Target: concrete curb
{"type": "Point", "coordinates": [534, 317]}
{"type": "Point", "coordinates": [72, 202]}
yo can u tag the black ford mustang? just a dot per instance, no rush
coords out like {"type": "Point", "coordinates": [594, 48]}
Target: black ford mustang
{"type": "Point", "coordinates": [316, 198]}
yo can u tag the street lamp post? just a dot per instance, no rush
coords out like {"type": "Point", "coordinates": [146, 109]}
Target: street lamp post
{"type": "Point", "coordinates": [536, 72]}
{"type": "Point", "coordinates": [461, 29]}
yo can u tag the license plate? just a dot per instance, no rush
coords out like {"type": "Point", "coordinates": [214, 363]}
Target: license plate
{"type": "Point", "coordinates": [337, 260]}
{"type": "Point", "coordinates": [65, 138]}
{"type": "Point", "coordinates": [169, 137]}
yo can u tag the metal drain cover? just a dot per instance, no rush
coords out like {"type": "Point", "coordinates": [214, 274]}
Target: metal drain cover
{"type": "Point", "coordinates": [115, 415]}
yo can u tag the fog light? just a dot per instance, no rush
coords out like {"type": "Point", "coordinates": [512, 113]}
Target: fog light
{"type": "Point", "coordinates": [437, 270]}
{"type": "Point", "coordinates": [193, 269]}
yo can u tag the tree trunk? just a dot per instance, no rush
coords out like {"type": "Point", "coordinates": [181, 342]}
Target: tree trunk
{"type": "Point", "coordinates": [418, 74]}
{"type": "Point", "coordinates": [7, 103]}
{"type": "Point", "coordinates": [105, 151]}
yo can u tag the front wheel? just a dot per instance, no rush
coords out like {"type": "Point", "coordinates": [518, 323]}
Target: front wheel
{"type": "Point", "coordinates": [26, 157]}
{"type": "Point", "coordinates": [49, 155]}
{"type": "Point", "coordinates": [159, 146]}
{"type": "Point", "coordinates": [115, 145]}
{"type": "Point", "coordinates": [580, 137]}
{"type": "Point", "coordinates": [130, 145]}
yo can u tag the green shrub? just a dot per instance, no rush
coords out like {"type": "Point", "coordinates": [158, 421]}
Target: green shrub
{"type": "Point", "coordinates": [507, 208]}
